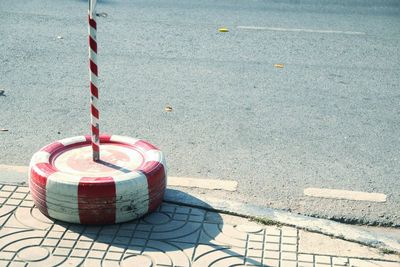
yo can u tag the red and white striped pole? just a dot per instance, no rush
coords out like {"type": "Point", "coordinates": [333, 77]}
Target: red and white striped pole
{"type": "Point", "coordinates": [94, 81]}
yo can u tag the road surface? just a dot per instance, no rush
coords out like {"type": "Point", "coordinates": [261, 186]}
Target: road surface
{"type": "Point", "coordinates": [328, 117]}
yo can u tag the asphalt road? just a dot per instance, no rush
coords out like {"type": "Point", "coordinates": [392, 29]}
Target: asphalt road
{"type": "Point", "coordinates": [328, 119]}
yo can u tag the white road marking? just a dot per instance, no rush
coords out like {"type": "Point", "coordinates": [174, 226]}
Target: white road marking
{"type": "Point", "coordinates": [12, 168]}
{"type": "Point", "coordinates": [227, 185]}
{"type": "Point", "coordinates": [298, 30]}
{"type": "Point", "coordinates": [213, 184]}
{"type": "Point", "coordinates": [344, 194]}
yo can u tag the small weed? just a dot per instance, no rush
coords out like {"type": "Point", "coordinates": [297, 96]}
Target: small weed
{"type": "Point", "coordinates": [265, 221]}
{"type": "Point", "coordinates": [389, 252]}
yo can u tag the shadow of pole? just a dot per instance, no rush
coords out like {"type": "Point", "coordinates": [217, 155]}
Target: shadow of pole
{"type": "Point", "coordinates": [113, 166]}
{"type": "Point", "coordinates": [172, 235]}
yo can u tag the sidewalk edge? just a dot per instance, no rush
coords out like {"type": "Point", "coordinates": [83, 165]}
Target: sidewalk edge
{"type": "Point", "coordinates": [318, 225]}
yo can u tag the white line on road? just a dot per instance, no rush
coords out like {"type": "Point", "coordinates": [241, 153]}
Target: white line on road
{"type": "Point", "coordinates": [12, 168]}
{"type": "Point", "coordinates": [344, 194]}
{"type": "Point", "coordinates": [298, 30]}
{"type": "Point", "coordinates": [214, 184]}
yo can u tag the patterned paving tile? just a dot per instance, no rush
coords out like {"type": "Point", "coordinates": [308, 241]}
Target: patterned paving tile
{"type": "Point", "coordinates": [171, 236]}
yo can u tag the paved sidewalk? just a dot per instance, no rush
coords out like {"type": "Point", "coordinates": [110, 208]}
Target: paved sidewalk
{"type": "Point", "coordinates": [173, 236]}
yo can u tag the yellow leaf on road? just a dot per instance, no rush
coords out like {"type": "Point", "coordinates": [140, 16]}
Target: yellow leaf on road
{"type": "Point", "coordinates": [279, 66]}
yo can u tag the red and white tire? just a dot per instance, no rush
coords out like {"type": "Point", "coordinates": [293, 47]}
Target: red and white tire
{"type": "Point", "coordinates": [67, 185]}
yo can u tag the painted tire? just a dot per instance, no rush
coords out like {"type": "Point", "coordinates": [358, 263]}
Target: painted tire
{"type": "Point", "coordinates": [67, 185]}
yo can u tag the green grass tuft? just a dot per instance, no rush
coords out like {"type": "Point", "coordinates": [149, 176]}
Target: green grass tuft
{"type": "Point", "coordinates": [265, 221]}
{"type": "Point", "coordinates": [389, 252]}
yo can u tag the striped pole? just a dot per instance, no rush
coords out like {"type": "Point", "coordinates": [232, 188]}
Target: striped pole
{"type": "Point", "coordinates": [94, 81]}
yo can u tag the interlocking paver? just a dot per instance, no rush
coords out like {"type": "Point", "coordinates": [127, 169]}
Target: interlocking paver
{"type": "Point", "coordinates": [17, 195]}
{"type": "Point", "coordinates": [96, 254]}
{"type": "Point", "coordinates": [137, 260]}
{"type": "Point", "coordinates": [272, 254]}
{"type": "Point", "coordinates": [120, 249]}
{"type": "Point", "coordinates": [271, 262]}
{"type": "Point", "coordinates": [258, 238]}
{"type": "Point", "coordinates": [305, 258]}
{"type": "Point", "coordinates": [339, 261]}
{"type": "Point", "coordinates": [249, 228]}
{"type": "Point", "coordinates": [8, 188]}
{"type": "Point", "coordinates": [323, 259]}
{"type": "Point", "coordinates": [288, 256]}
{"type": "Point", "coordinates": [13, 202]}
{"type": "Point", "coordinates": [16, 264]}
{"type": "Point", "coordinates": [254, 253]}
{"type": "Point", "coordinates": [272, 246]}
{"type": "Point", "coordinates": [289, 240]}
{"type": "Point", "coordinates": [71, 235]}
{"type": "Point", "coordinates": [66, 243]}
{"type": "Point", "coordinates": [288, 263]}
{"type": "Point", "coordinates": [7, 255]}
{"type": "Point", "coordinates": [55, 235]}
{"type": "Point", "coordinates": [289, 231]}
{"type": "Point", "coordinates": [120, 240]}
{"type": "Point", "coordinates": [172, 236]}
{"type": "Point", "coordinates": [100, 246]}
{"type": "Point", "coordinates": [22, 189]}
{"type": "Point", "coordinates": [26, 204]}
{"type": "Point", "coordinates": [289, 247]}
{"type": "Point", "coordinates": [61, 252]}
{"type": "Point", "coordinates": [236, 232]}
{"type": "Point", "coordinates": [114, 256]}
{"type": "Point", "coordinates": [272, 230]}
{"type": "Point", "coordinates": [109, 263]}
{"type": "Point", "coordinates": [84, 243]}
{"type": "Point", "coordinates": [35, 253]}
{"type": "Point", "coordinates": [273, 239]}
{"type": "Point", "coordinates": [50, 242]}
{"type": "Point", "coordinates": [80, 253]}
{"type": "Point", "coordinates": [5, 194]}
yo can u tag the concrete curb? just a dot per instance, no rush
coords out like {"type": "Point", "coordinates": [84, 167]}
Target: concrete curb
{"type": "Point", "coordinates": [323, 226]}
